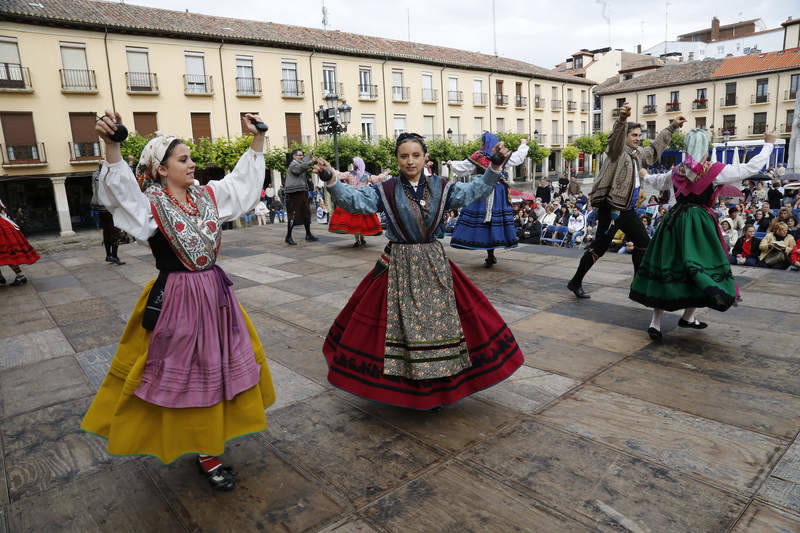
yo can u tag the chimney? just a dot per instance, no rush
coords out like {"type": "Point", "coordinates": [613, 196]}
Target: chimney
{"type": "Point", "coordinates": [715, 29]}
{"type": "Point", "coordinates": [638, 48]}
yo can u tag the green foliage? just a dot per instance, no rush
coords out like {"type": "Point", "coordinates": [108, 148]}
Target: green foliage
{"type": "Point", "coordinates": [511, 140]}
{"type": "Point", "coordinates": [201, 153]}
{"type": "Point", "coordinates": [538, 153]}
{"type": "Point", "coordinates": [570, 153]}
{"type": "Point", "coordinates": [645, 143]}
{"type": "Point", "coordinates": [678, 141]}
{"type": "Point", "coordinates": [275, 159]}
{"type": "Point", "coordinates": [602, 137]}
{"type": "Point", "coordinates": [225, 153]}
{"type": "Point", "coordinates": [588, 145]}
{"type": "Point", "coordinates": [133, 145]}
{"type": "Point", "coordinates": [469, 148]}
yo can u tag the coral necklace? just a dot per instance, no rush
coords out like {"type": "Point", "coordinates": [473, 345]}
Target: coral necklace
{"type": "Point", "coordinates": [191, 212]}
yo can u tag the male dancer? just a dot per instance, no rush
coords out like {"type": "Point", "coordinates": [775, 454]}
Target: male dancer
{"type": "Point", "coordinates": [616, 190]}
{"type": "Point", "coordinates": [297, 207]}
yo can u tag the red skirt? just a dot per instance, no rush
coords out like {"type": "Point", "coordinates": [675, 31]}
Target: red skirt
{"type": "Point", "coordinates": [15, 249]}
{"type": "Point", "coordinates": [354, 348]}
{"type": "Point", "coordinates": [344, 222]}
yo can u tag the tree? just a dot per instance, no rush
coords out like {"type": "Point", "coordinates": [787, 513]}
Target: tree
{"type": "Point", "coordinates": [133, 145]}
{"type": "Point", "coordinates": [588, 145]}
{"type": "Point", "coordinates": [602, 137]}
{"type": "Point", "coordinates": [678, 141]}
{"type": "Point", "coordinates": [570, 154]}
{"type": "Point", "coordinates": [443, 150]}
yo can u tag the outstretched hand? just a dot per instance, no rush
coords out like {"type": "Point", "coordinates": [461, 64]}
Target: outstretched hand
{"type": "Point", "coordinates": [678, 122]}
{"type": "Point", "coordinates": [323, 169]}
{"type": "Point", "coordinates": [625, 111]}
{"type": "Point", "coordinates": [107, 125]}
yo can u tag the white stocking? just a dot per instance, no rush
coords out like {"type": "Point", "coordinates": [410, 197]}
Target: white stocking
{"type": "Point", "coordinates": [688, 314]}
{"type": "Point", "coordinates": [655, 322]}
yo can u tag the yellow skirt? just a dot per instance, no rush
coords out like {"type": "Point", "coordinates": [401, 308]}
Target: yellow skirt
{"type": "Point", "coordinates": [135, 427]}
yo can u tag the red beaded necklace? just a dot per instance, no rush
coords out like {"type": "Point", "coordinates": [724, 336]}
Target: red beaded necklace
{"type": "Point", "coordinates": [191, 213]}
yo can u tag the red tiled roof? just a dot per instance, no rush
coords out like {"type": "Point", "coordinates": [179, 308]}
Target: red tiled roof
{"type": "Point", "coordinates": [723, 27]}
{"type": "Point", "coordinates": [734, 66]}
{"type": "Point", "coordinates": [670, 74]}
{"type": "Point", "coordinates": [134, 19]}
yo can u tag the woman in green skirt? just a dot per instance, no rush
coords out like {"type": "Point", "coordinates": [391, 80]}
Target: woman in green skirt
{"type": "Point", "coordinates": [686, 264]}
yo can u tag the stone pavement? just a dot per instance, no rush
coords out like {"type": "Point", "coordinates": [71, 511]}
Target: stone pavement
{"type": "Point", "coordinates": [601, 430]}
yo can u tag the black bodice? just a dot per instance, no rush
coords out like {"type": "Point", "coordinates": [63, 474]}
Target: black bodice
{"type": "Point", "coordinates": [166, 260]}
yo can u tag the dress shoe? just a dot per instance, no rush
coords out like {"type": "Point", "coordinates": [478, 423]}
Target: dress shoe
{"type": "Point", "coordinates": [311, 238]}
{"type": "Point", "coordinates": [654, 334]}
{"type": "Point", "coordinates": [289, 240]}
{"type": "Point", "coordinates": [577, 290]}
{"type": "Point", "coordinates": [694, 325]}
{"type": "Point", "coordinates": [117, 260]}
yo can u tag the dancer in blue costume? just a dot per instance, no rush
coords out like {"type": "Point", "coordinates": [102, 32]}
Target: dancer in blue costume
{"type": "Point", "coordinates": [489, 222]}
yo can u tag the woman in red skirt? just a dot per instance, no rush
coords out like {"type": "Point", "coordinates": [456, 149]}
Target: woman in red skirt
{"type": "Point", "coordinates": [357, 224]}
{"type": "Point", "coordinates": [417, 333]}
{"type": "Point", "coordinates": [15, 249]}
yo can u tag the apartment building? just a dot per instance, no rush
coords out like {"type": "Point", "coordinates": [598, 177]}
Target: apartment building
{"type": "Point", "coordinates": [738, 97]}
{"type": "Point", "coordinates": [194, 76]}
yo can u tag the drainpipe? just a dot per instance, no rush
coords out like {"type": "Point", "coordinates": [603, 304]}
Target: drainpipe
{"type": "Point", "coordinates": [224, 97]}
{"type": "Point", "coordinates": [441, 86]}
{"type": "Point", "coordinates": [108, 68]}
{"type": "Point", "coordinates": [385, 112]}
{"type": "Point", "coordinates": [777, 92]}
{"type": "Point", "coordinates": [490, 128]}
{"type": "Point", "coordinates": [313, 104]}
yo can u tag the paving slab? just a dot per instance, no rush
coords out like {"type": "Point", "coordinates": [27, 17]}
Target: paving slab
{"type": "Point", "coordinates": [528, 389]}
{"type": "Point", "coordinates": [782, 487]}
{"type": "Point", "coordinates": [89, 334]}
{"type": "Point", "coordinates": [33, 347]}
{"type": "Point", "coordinates": [96, 362]}
{"type": "Point", "coordinates": [589, 481]}
{"type": "Point", "coordinates": [761, 518]}
{"type": "Point", "coordinates": [21, 322]}
{"type": "Point", "coordinates": [30, 387]}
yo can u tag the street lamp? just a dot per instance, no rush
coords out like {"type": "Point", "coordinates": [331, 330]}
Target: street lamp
{"type": "Point", "coordinates": [450, 134]}
{"type": "Point", "coordinates": [333, 121]}
{"type": "Point", "coordinates": [726, 136]}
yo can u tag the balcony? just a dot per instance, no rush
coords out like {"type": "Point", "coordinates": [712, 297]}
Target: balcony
{"type": "Point", "coordinates": [248, 87]}
{"type": "Point", "coordinates": [700, 105]}
{"type": "Point", "coordinates": [539, 103]}
{"type": "Point", "coordinates": [141, 83]}
{"type": "Point", "coordinates": [501, 100]}
{"type": "Point", "coordinates": [572, 106]}
{"type": "Point", "coordinates": [455, 97]}
{"type": "Point", "coordinates": [790, 94]}
{"type": "Point", "coordinates": [457, 138]}
{"type": "Point", "coordinates": [15, 78]}
{"type": "Point", "coordinates": [372, 139]}
{"type": "Point", "coordinates": [728, 101]}
{"type": "Point", "coordinates": [615, 112]}
{"type": "Point", "coordinates": [673, 107]}
{"type": "Point", "coordinates": [730, 130]}
{"type": "Point", "coordinates": [430, 96]}
{"type": "Point", "coordinates": [557, 140]}
{"type": "Point", "coordinates": [555, 105]}
{"type": "Point", "coordinates": [332, 89]}
{"type": "Point", "coordinates": [78, 81]}
{"type": "Point", "coordinates": [198, 85]}
{"type": "Point", "coordinates": [540, 138]}
{"type": "Point", "coordinates": [584, 107]}
{"type": "Point", "coordinates": [571, 137]}
{"type": "Point", "coordinates": [84, 152]}
{"type": "Point", "coordinates": [480, 99]}
{"type": "Point", "coordinates": [24, 155]}
{"type": "Point", "coordinates": [759, 99]}
{"type": "Point", "coordinates": [520, 101]}
{"type": "Point", "coordinates": [367, 92]}
{"type": "Point", "coordinates": [401, 94]}
{"type": "Point", "coordinates": [290, 140]}
{"type": "Point", "coordinates": [293, 89]}
{"type": "Point", "coordinates": [649, 109]}
{"type": "Point", "coordinates": [757, 129]}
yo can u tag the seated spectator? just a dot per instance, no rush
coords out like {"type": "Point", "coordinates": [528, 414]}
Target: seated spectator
{"type": "Point", "coordinates": [776, 248]}
{"type": "Point", "coordinates": [261, 212]}
{"type": "Point", "coordinates": [531, 231]}
{"type": "Point", "coordinates": [647, 221]}
{"type": "Point", "coordinates": [746, 249]}
{"type": "Point", "coordinates": [451, 222]}
{"type": "Point", "coordinates": [662, 210]}
{"type": "Point", "coordinates": [322, 213]}
{"type": "Point", "coordinates": [652, 206]}
{"type": "Point", "coordinates": [794, 231]}
{"type": "Point", "coordinates": [728, 233]}
{"type": "Point", "coordinates": [581, 201]}
{"type": "Point", "coordinates": [276, 210]}
{"type": "Point", "coordinates": [538, 210]}
{"type": "Point", "coordinates": [549, 219]}
{"type": "Point", "coordinates": [544, 192]}
{"type": "Point", "coordinates": [576, 225]}
{"type": "Point", "coordinates": [562, 218]}
{"type": "Point", "coordinates": [591, 223]}
{"type": "Point", "coordinates": [737, 220]}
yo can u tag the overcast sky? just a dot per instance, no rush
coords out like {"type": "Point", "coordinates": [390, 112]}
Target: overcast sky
{"type": "Point", "coordinates": [542, 32]}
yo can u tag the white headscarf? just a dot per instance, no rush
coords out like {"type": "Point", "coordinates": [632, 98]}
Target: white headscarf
{"type": "Point", "coordinates": [152, 155]}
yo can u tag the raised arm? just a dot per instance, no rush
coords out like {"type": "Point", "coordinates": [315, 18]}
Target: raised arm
{"type": "Point", "coordinates": [300, 167]}
{"type": "Point", "coordinates": [742, 171]}
{"type": "Point", "coordinates": [380, 177]}
{"type": "Point", "coordinates": [462, 168]}
{"type": "Point", "coordinates": [518, 157]}
{"type": "Point", "coordinates": [616, 138]}
{"type": "Point", "coordinates": [651, 154]}
{"type": "Point", "coordinates": [363, 200]}
{"type": "Point", "coordinates": [659, 182]}
{"type": "Point", "coordinates": [119, 192]}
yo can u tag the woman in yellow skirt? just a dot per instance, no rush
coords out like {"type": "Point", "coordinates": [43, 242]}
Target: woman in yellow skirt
{"type": "Point", "coordinates": [190, 372]}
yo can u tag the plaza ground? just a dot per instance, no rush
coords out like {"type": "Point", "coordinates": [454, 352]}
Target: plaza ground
{"type": "Point", "coordinates": [600, 430]}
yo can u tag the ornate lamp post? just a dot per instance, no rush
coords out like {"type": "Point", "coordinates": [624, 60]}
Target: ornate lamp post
{"type": "Point", "coordinates": [333, 121]}
{"type": "Point", "coordinates": [726, 136]}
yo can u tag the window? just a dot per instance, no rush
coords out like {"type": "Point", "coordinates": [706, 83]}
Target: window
{"type": "Point", "coordinates": [501, 124]}
{"type": "Point", "coordinates": [596, 123]}
{"type": "Point", "coordinates": [583, 96]}
{"type": "Point", "coordinates": [762, 85]}
{"type": "Point", "coordinates": [570, 128]}
{"type": "Point", "coordinates": [554, 93]}
{"type": "Point", "coordinates": [520, 125]}
{"type": "Point", "coordinates": [498, 84]}
{"type": "Point", "coordinates": [428, 126]}
{"type": "Point", "coordinates": [730, 94]}
{"type": "Point", "coordinates": [368, 127]}
{"type": "Point", "coordinates": [75, 73]}
{"type": "Point", "coordinates": [627, 76]}
{"type": "Point", "coordinates": [651, 129]}
{"type": "Point", "coordinates": [729, 124]}
{"type": "Point", "coordinates": [700, 122]}
{"type": "Point", "coordinates": [537, 90]}
{"type": "Point", "coordinates": [477, 126]}
{"type": "Point", "coordinates": [477, 92]}
{"type": "Point", "coordinates": [20, 137]}
{"type": "Point", "coordinates": [537, 126]}
{"type": "Point", "coordinates": [365, 89]}
{"type": "Point", "coordinates": [675, 96]}
{"type": "Point", "coordinates": [556, 132]}
{"type": "Point", "coordinates": [399, 124]}
{"type": "Point", "coordinates": [455, 126]}
{"type": "Point", "coordinates": [290, 85]}
{"type": "Point", "coordinates": [245, 76]}
{"type": "Point", "coordinates": [620, 102]}
{"type": "Point", "coordinates": [11, 74]}
{"type": "Point", "coordinates": [651, 99]}
{"type": "Point", "coordinates": [759, 123]}
{"type": "Point", "coordinates": [145, 123]}
{"type": "Point", "coordinates": [789, 119]}
{"type": "Point", "coordinates": [329, 80]}
{"type": "Point", "coordinates": [85, 143]}
{"type": "Point", "coordinates": [196, 81]}
{"type": "Point", "coordinates": [139, 78]}
{"type": "Point", "coordinates": [721, 50]}
{"type": "Point", "coordinates": [578, 62]}
{"type": "Point", "coordinates": [397, 85]}
{"type": "Point", "coordinates": [201, 126]}
{"type": "Point", "coordinates": [453, 95]}
{"type": "Point", "coordinates": [427, 88]}
{"type": "Point", "coordinates": [793, 83]}
{"type": "Point", "coordinates": [583, 127]}
{"type": "Point", "coordinates": [650, 106]}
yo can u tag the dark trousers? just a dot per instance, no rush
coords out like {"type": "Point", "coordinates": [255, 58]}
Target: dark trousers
{"type": "Point", "coordinates": [627, 221]}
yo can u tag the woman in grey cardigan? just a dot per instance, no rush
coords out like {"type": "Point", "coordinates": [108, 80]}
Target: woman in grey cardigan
{"type": "Point", "coordinates": [297, 206]}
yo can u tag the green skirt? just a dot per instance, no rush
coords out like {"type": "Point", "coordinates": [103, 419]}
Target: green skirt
{"type": "Point", "coordinates": [685, 265]}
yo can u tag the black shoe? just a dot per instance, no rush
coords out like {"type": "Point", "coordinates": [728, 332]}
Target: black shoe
{"type": "Point", "coordinates": [488, 263]}
{"type": "Point", "coordinates": [19, 280]}
{"type": "Point", "coordinates": [221, 478]}
{"type": "Point", "coordinates": [577, 289]}
{"type": "Point", "coordinates": [117, 260]}
{"type": "Point", "coordinates": [311, 238]}
{"type": "Point", "coordinates": [357, 244]}
{"type": "Point", "coordinates": [289, 240]}
{"type": "Point", "coordinates": [109, 259]}
{"type": "Point", "coordinates": [494, 260]}
{"type": "Point", "coordinates": [694, 325]}
{"type": "Point", "coordinates": [2, 280]}
{"type": "Point", "coordinates": [654, 334]}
